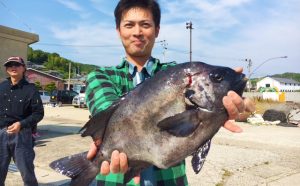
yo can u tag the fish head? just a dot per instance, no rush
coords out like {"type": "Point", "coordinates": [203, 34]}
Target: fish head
{"type": "Point", "coordinates": [207, 85]}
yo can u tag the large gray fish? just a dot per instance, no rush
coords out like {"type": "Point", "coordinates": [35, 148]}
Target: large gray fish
{"type": "Point", "coordinates": [162, 121]}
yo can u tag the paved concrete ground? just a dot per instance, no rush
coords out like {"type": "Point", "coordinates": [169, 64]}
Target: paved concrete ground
{"type": "Point", "coordinates": [261, 155]}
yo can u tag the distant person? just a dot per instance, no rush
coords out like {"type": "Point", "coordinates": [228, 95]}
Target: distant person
{"type": "Point", "coordinates": [35, 133]}
{"type": "Point", "coordinates": [20, 109]}
{"type": "Point", "coordinates": [138, 24]}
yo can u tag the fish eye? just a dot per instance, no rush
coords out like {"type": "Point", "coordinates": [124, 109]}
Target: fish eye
{"type": "Point", "coordinates": [217, 76]}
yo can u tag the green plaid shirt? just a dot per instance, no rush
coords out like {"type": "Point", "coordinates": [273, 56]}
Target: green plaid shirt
{"type": "Point", "coordinates": [106, 85]}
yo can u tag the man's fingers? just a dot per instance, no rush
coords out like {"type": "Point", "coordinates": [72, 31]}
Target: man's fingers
{"type": "Point", "coordinates": [115, 162]}
{"type": "Point", "coordinates": [92, 152]}
{"type": "Point", "coordinates": [137, 179]}
{"type": "Point", "coordinates": [238, 69]}
{"type": "Point", "coordinates": [104, 170]}
{"type": "Point", "coordinates": [231, 126]}
{"type": "Point", "coordinates": [123, 163]}
{"type": "Point", "coordinates": [230, 107]}
{"type": "Point", "coordinates": [237, 101]}
{"type": "Point", "coordinates": [249, 105]}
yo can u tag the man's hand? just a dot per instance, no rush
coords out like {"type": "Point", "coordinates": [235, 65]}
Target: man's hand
{"type": "Point", "coordinates": [119, 162]}
{"type": "Point", "coordinates": [235, 105]}
{"type": "Point", "coordinates": [14, 128]}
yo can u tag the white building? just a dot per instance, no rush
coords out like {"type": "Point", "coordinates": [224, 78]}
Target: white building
{"type": "Point", "coordinates": [281, 84]}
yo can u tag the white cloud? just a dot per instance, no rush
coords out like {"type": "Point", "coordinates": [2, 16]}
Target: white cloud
{"type": "Point", "coordinates": [103, 6]}
{"type": "Point", "coordinates": [71, 5]}
{"type": "Point", "coordinates": [226, 32]}
{"type": "Point", "coordinates": [108, 50]}
{"type": "Point", "coordinates": [75, 7]}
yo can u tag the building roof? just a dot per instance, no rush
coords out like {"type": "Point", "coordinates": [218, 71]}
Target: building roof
{"type": "Point", "coordinates": [19, 35]}
{"type": "Point", "coordinates": [285, 80]}
{"type": "Point", "coordinates": [45, 74]}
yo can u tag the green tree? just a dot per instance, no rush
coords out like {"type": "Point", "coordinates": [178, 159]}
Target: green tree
{"type": "Point", "coordinates": [53, 61]}
{"type": "Point", "coordinates": [50, 87]}
{"type": "Point", "coordinates": [38, 85]}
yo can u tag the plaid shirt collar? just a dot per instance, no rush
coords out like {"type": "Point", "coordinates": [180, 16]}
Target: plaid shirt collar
{"type": "Point", "coordinates": [150, 66]}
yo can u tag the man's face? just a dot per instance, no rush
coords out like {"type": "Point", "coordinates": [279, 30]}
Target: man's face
{"type": "Point", "coordinates": [138, 32]}
{"type": "Point", "coordinates": [15, 70]}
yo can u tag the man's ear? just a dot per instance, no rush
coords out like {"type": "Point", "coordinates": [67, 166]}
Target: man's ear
{"type": "Point", "coordinates": [157, 31]}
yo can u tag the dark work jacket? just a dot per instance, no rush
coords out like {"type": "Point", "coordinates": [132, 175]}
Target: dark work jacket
{"type": "Point", "coordinates": [20, 102]}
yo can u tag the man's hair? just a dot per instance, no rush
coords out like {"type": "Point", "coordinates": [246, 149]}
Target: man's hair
{"type": "Point", "coordinates": [125, 5]}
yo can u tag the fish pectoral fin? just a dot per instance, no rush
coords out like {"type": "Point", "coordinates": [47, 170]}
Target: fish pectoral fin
{"type": "Point", "coordinates": [199, 157]}
{"type": "Point", "coordinates": [181, 125]}
{"type": "Point", "coordinates": [78, 167]}
{"type": "Point", "coordinates": [95, 127]}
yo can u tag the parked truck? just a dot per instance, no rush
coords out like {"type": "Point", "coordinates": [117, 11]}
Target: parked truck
{"type": "Point", "coordinates": [79, 100]}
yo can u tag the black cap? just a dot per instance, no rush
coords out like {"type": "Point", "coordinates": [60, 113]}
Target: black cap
{"type": "Point", "coordinates": [15, 59]}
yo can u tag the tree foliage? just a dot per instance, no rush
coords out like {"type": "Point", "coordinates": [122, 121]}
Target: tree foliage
{"type": "Point", "coordinates": [53, 61]}
{"type": "Point", "coordinates": [50, 87]}
{"type": "Point", "coordinates": [38, 85]}
{"type": "Point", "coordinates": [289, 75]}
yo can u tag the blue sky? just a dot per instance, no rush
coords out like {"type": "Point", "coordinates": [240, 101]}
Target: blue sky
{"type": "Point", "coordinates": [225, 31]}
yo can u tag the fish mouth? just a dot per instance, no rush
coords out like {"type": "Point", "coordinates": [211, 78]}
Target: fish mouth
{"type": "Point", "coordinates": [204, 109]}
{"type": "Point", "coordinates": [192, 105]}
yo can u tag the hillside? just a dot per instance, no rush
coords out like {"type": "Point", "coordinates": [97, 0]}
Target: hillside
{"type": "Point", "coordinates": [288, 75]}
{"type": "Point", "coordinates": [54, 62]}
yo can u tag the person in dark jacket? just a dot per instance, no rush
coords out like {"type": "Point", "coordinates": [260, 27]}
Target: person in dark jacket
{"type": "Point", "coordinates": [20, 109]}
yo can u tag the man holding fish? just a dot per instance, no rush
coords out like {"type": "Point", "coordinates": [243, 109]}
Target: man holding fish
{"type": "Point", "coordinates": [138, 25]}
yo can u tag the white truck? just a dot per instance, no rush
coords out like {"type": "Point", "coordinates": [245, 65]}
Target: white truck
{"type": "Point", "coordinates": [45, 96]}
{"type": "Point", "coordinates": [79, 100]}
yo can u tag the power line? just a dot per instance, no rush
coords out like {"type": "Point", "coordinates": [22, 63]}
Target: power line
{"type": "Point", "coordinates": [88, 46]}
{"type": "Point", "coordinates": [69, 45]}
{"type": "Point", "coordinates": [15, 15]}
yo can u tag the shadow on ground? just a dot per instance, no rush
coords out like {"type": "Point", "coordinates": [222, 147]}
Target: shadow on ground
{"type": "Point", "coordinates": [47, 132]}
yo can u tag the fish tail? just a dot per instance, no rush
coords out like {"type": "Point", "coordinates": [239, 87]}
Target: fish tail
{"type": "Point", "coordinates": [78, 167]}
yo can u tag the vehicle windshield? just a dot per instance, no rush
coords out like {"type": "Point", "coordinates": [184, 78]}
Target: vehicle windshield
{"type": "Point", "coordinates": [82, 89]}
{"type": "Point", "coordinates": [54, 93]}
{"type": "Point", "coordinates": [44, 93]}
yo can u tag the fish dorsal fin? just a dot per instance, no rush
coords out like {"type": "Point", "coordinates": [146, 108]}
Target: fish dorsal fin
{"type": "Point", "coordinates": [96, 126]}
{"type": "Point", "coordinates": [181, 125]}
{"type": "Point", "coordinates": [199, 157]}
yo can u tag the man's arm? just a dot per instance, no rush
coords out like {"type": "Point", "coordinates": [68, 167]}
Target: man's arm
{"type": "Point", "coordinates": [36, 110]}
{"type": "Point", "coordinates": [101, 92]}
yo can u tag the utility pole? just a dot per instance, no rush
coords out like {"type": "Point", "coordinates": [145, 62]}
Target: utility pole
{"type": "Point", "coordinates": [164, 45]}
{"type": "Point", "coordinates": [69, 81]}
{"type": "Point", "coordinates": [249, 65]}
{"type": "Point", "coordinates": [189, 25]}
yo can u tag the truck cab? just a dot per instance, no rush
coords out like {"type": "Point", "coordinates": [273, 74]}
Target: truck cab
{"type": "Point", "coordinates": [79, 100]}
